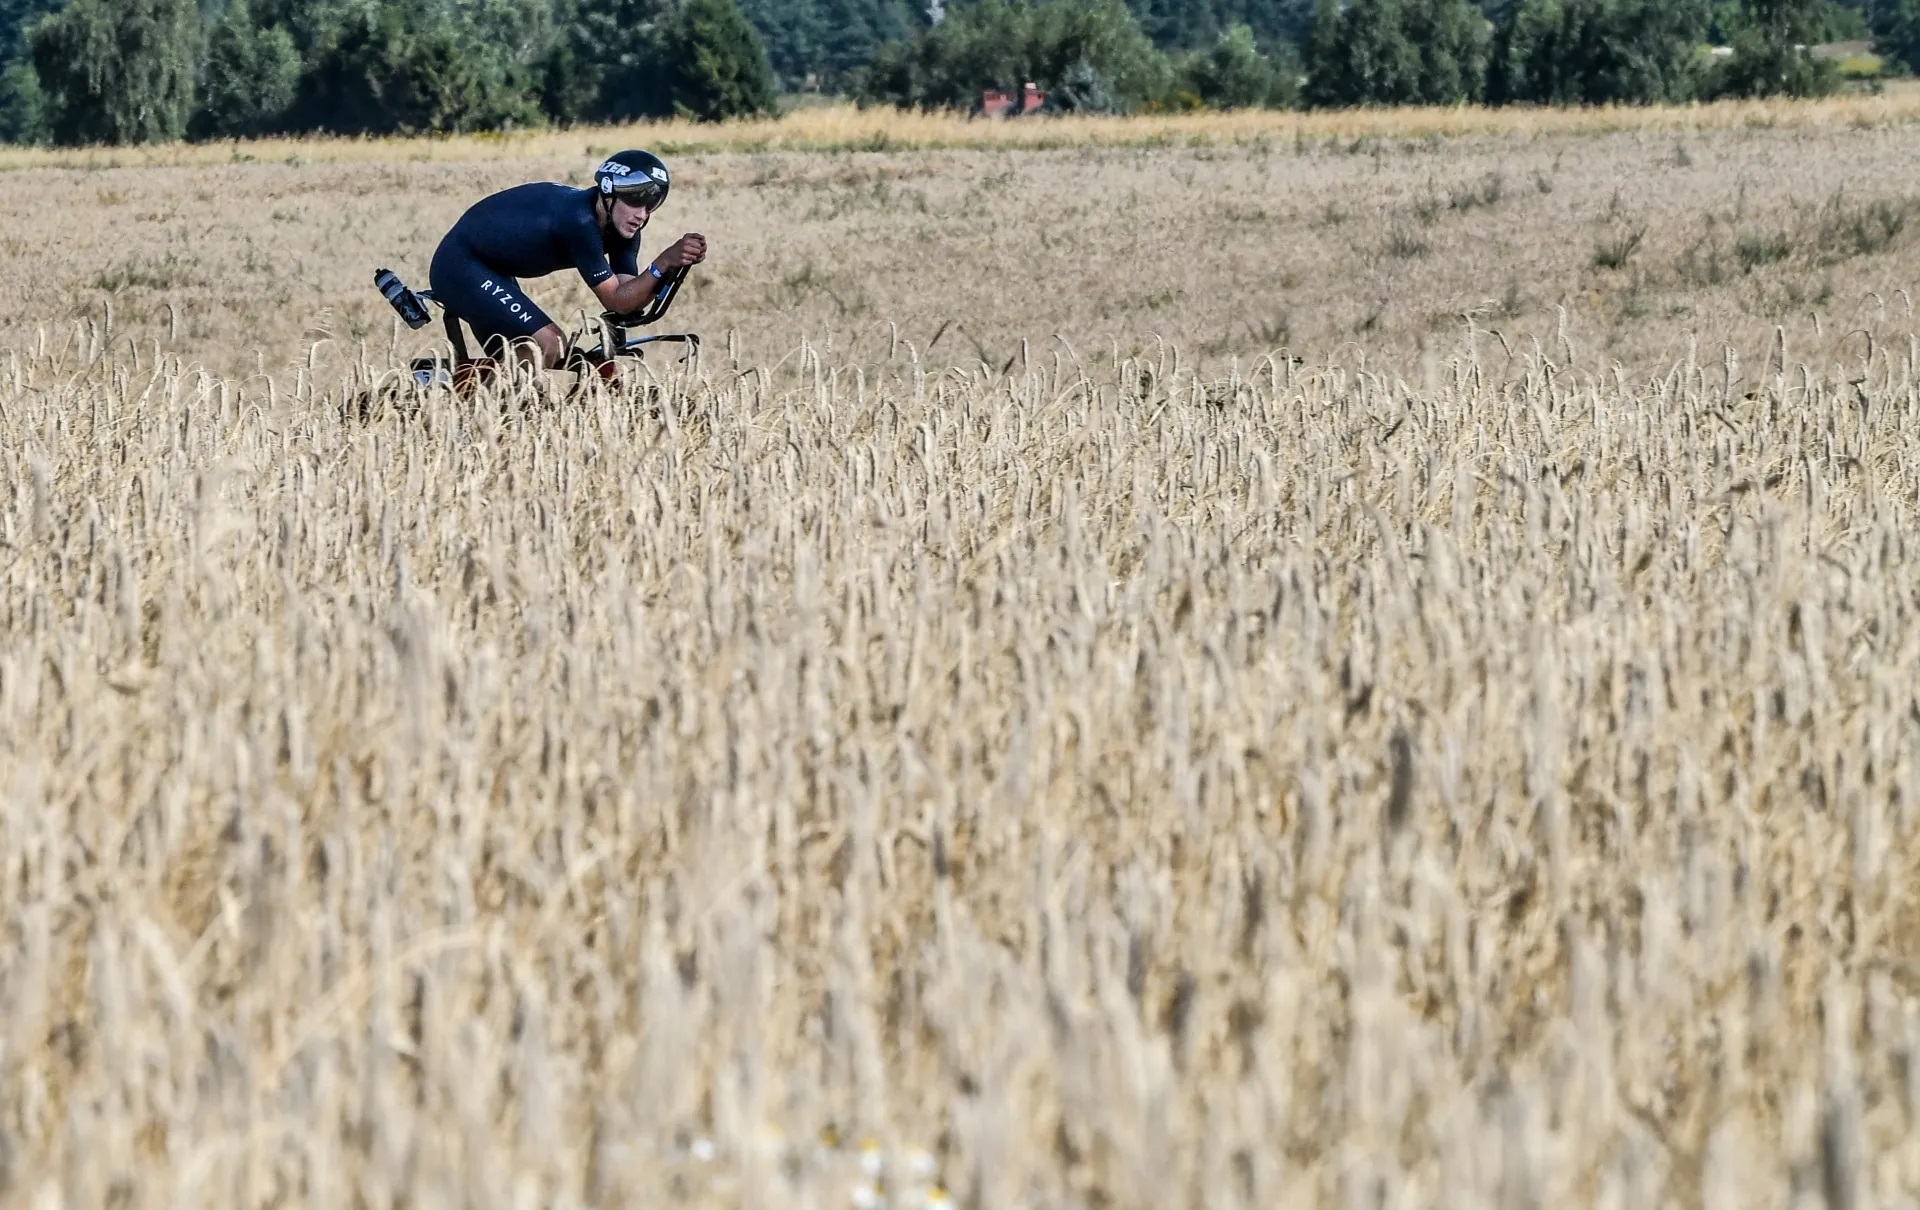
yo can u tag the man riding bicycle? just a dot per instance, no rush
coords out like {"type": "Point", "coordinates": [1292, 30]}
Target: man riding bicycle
{"type": "Point", "coordinates": [536, 229]}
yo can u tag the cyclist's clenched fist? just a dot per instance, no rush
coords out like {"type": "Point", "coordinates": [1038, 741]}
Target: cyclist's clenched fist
{"type": "Point", "coordinates": [689, 250]}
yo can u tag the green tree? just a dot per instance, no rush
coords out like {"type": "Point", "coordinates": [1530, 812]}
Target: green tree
{"type": "Point", "coordinates": [847, 31]}
{"type": "Point", "coordinates": [619, 60]}
{"type": "Point", "coordinates": [16, 18]}
{"type": "Point", "coordinates": [1081, 90]}
{"type": "Point", "coordinates": [1896, 30]}
{"type": "Point", "coordinates": [1234, 74]}
{"type": "Point", "coordinates": [1769, 52]}
{"type": "Point", "coordinates": [1452, 37]}
{"type": "Point", "coordinates": [1374, 63]}
{"type": "Point", "coordinates": [24, 116]}
{"type": "Point", "coordinates": [250, 77]}
{"type": "Point", "coordinates": [605, 64]}
{"type": "Point", "coordinates": [314, 24]}
{"type": "Point", "coordinates": [1103, 35]}
{"type": "Point", "coordinates": [826, 43]}
{"type": "Point", "coordinates": [1844, 21]}
{"type": "Point", "coordinates": [712, 64]}
{"type": "Point", "coordinates": [1397, 52]}
{"type": "Point", "coordinates": [985, 45]}
{"type": "Point", "coordinates": [1326, 82]}
{"type": "Point", "coordinates": [795, 34]}
{"type": "Point", "coordinates": [1789, 21]}
{"type": "Point", "coordinates": [1649, 52]}
{"type": "Point", "coordinates": [118, 71]}
{"type": "Point", "coordinates": [23, 106]}
{"type": "Point", "coordinates": [417, 68]}
{"type": "Point", "coordinates": [1596, 52]}
{"type": "Point", "coordinates": [1065, 46]}
{"type": "Point", "coordinates": [1531, 60]}
{"type": "Point", "coordinates": [1200, 24]}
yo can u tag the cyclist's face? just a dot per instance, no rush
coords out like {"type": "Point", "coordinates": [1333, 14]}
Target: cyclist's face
{"type": "Point", "coordinates": [628, 218]}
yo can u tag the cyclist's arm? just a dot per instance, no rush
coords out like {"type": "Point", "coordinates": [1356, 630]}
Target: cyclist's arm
{"type": "Point", "coordinates": [623, 293]}
{"type": "Point", "coordinates": [619, 284]}
{"type": "Point", "coordinates": [629, 287]}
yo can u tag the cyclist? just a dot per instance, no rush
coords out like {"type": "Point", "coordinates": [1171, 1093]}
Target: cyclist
{"type": "Point", "coordinates": [540, 228]}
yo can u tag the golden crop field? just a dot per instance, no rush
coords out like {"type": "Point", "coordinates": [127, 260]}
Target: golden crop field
{"type": "Point", "coordinates": [1364, 661]}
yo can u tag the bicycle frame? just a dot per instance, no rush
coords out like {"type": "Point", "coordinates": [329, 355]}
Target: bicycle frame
{"type": "Point", "coordinates": [412, 306]}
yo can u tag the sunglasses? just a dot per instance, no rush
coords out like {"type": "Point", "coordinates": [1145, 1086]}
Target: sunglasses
{"type": "Point", "coordinates": [647, 194]}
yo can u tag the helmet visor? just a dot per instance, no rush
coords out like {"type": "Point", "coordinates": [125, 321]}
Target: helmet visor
{"type": "Point", "coordinates": [647, 194]}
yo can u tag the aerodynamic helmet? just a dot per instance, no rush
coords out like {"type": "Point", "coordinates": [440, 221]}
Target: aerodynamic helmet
{"type": "Point", "coordinates": [638, 178]}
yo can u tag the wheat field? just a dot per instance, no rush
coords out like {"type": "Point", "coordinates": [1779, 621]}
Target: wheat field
{"type": "Point", "coordinates": [1368, 241]}
{"type": "Point", "coordinates": [978, 738]}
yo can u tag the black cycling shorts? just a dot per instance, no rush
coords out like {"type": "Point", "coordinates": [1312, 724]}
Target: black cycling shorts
{"type": "Point", "coordinates": [490, 302]}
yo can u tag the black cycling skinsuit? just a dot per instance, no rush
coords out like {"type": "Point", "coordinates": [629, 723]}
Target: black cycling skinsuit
{"type": "Point", "coordinates": [526, 231]}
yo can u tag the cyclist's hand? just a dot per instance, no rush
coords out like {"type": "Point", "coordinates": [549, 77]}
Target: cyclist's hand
{"type": "Point", "coordinates": [690, 250]}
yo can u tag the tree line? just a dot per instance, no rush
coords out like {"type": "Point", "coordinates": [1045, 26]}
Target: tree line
{"type": "Point", "coordinates": [136, 71]}
{"type": "Point", "coordinates": [122, 71]}
{"type": "Point", "coordinates": [1097, 54]}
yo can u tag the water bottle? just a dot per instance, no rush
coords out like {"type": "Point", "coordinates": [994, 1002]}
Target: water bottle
{"type": "Point", "coordinates": [404, 300]}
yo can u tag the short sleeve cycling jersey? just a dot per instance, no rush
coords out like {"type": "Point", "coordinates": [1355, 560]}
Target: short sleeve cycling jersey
{"type": "Point", "coordinates": [541, 228]}
{"type": "Point", "coordinates": [526, 231]}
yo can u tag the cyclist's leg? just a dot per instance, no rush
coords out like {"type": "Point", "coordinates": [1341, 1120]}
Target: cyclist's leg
{"type": "Point", "coordinates": [543, 347]}
{"type": "Point", "coordinates": [551, 346]}
{"type": "Point", "coordinates": [492, 304]}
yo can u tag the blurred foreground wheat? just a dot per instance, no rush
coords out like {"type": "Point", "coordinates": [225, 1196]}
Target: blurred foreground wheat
{"type": "Point", "coordinates": [1093, 785]}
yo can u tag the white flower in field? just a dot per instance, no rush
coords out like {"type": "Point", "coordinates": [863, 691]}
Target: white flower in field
{"type": "Point", "coordinates": [920, 1164]}
{"type": "Point", "coordinates": [872, 1159]}
{"type": "Point", "coordinates": [866, 1197]}
{"type": "Point", "coordinates": [703, 1150]}
{"type": "Point", "coordinates": [936, 1198]}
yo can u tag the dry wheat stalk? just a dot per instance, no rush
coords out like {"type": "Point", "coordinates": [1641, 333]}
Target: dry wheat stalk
{"type": "Point", "coordinates": [1290, 787]}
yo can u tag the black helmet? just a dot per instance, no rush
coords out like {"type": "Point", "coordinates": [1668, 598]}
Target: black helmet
{"type": "Point", "coordinates": [637, 177]}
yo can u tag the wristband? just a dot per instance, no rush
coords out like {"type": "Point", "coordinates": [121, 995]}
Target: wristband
{"type": "Point", "coordinates": [657, 275]}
